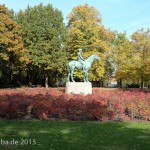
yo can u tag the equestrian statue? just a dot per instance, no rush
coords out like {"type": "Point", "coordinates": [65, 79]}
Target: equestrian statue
{"type": "Point", "coordinates": [81, 64]}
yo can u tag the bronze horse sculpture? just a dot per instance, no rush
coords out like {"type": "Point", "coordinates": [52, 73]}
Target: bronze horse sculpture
{"type": "Point", "coordinates": [85, 66]}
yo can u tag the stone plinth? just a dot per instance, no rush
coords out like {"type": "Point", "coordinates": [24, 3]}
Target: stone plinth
{"type": "Point", "coordinates": [78, 88]}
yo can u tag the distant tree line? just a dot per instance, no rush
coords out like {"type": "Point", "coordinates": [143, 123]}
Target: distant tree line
{"type": "Point", "coordinates": [36, 45]}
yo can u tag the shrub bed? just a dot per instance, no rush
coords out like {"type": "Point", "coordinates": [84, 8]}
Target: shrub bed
{"type": "Point", "coordinates": [102, 105]}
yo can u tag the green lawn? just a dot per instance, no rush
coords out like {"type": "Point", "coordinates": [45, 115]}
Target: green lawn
{"type": "Point", "coordinates": [46, 135]}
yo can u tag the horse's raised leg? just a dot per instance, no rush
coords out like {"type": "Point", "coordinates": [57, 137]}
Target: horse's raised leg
{"type": "Point", "coordinates": [72, 71]}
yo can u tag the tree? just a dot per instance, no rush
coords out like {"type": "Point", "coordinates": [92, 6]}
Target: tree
{"type": "Point", "coordinates": [44, 35]}
{"type": "Point", "coordinates": [123, 56]}
{"type": "Point", "coordinates": [141, 42]}
{"type": "Point", "coordinates": [86, 31]}
{"type": "Point", "coordinates": [13, 55]}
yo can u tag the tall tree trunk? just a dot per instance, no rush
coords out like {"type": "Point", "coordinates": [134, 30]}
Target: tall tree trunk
{"type": "Point", "coordinates": [142, 82]}
{"type": "Point", "coordinates": [148, 86]}
{"type": "Point", "coordinates": [30, 76]}
{"type": "Point", "coordinates": [46, 80]}
{"type": "Point", "coordinates": [19, 80]}
{"type": "Point", "coordinates": [10, 74]}
{"type": "Point", "coordinates": [120, 83]}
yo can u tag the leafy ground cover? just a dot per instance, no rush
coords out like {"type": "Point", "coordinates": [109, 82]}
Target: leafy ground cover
{"type": "Point", "coordinates": [44, 135]}
{"type": "Point", "coordinates": [53, 103]}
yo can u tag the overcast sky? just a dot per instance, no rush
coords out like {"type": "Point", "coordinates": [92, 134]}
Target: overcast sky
{"type": "Point", "coordinates": [120, 15]}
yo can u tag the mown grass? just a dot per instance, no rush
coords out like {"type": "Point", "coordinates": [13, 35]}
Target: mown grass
{"type": "Point", "coordinates": [65, 135]}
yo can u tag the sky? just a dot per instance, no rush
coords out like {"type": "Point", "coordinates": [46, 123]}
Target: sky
{"type": "Point", "coordinates": [120, 15]}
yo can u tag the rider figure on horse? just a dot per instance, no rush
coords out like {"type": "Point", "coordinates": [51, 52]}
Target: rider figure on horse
{"type": "Point", "coordinates": [79, 57]}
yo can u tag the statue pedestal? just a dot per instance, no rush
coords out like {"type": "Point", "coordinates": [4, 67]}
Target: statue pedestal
{"type": "Point", "coordinates": [78, 88]}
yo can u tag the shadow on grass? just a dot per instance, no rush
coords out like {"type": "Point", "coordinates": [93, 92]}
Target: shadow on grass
{"type": "Point", "coordinates": [75, 135]}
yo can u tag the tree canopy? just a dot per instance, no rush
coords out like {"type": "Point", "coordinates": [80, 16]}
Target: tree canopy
{"type": "Point", "coordinates": [44, 35]}
{"type": "Point", "coordinates": [86, 31]}
{"type": "Point", "coordinates": [36, 45]}
{"type": "Point", "coordinates": [141, 42]}
{"type": "Point", "coordinates": [12, 52]}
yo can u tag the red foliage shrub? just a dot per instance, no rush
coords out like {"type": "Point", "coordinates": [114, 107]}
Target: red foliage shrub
{"type": "Point", "coordinates": [58, 109]}
{"type": "Point", "coordinates": [53, 103]}
{"type": "Point", "coordinates": [14, 107]}
{"type": "Point", "coordinates": [4, 108]}
{"type": "Point", "coordinates": [76, 109]}
{"type": "Point", "coordinates": [39, 107]}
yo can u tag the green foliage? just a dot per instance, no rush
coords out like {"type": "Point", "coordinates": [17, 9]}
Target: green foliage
{"type": "Point", "coordinates": [44, 35]}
